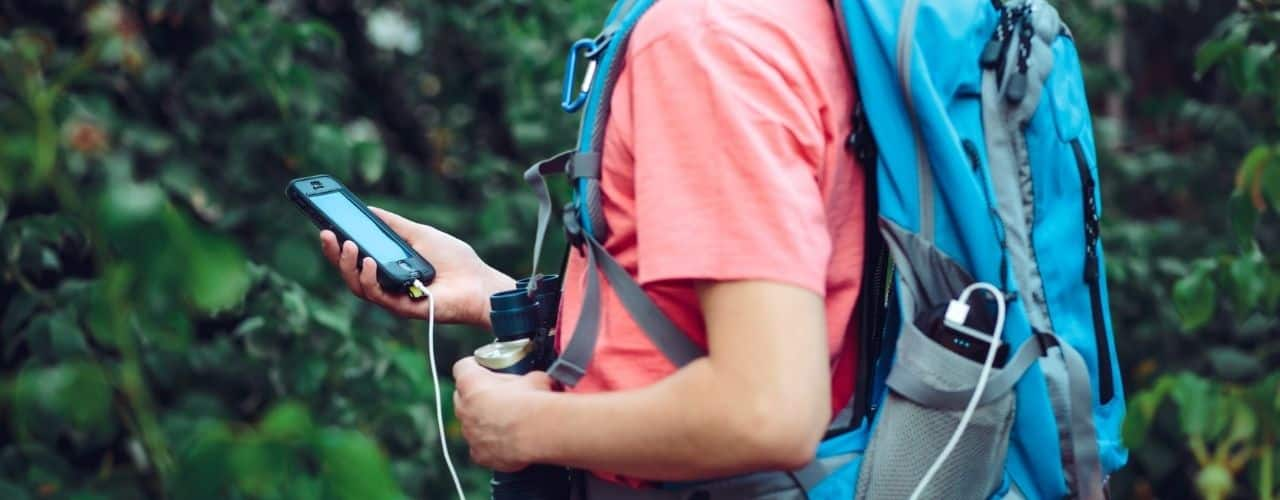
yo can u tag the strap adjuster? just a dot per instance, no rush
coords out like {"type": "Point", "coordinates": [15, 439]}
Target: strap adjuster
{"type": "Point", "coordinates": [572, 228]}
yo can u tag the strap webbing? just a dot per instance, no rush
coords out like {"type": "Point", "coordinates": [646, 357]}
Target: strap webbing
{"type": "Point", "coordinates": [674, 344]}
{"type": "Point", "coordinates": [912, 387]}
{"type": "Point", "coordinates": [1084, 441]}
{"type": "Point", "coordinates": [575, 360]}
{"type": "Point", "coordinates": [906, 41]}
{"type": "Point", "coordinates": [534, 177]}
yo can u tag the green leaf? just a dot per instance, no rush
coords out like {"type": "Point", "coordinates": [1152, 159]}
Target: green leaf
{"type": "Point", "coordinates": [259, 467]}
{"type": "Point", "coordinates": [1271, 179]}
{"type": "Point", "coordinates": [287, 422]}
{"type": "Point", "coordinates": [1252, 60]}
{"type": "Point", "coordinates": [65, 335]}
{"type": "Point", "coordinates": [1233, 364]}
{"type": "Point", "coordinates": [1194, 296]}
{"type": "Point", "coordinates": [1244, 424]}
{"type": "Point", "coordinates": [371, 159]}
{"type": "Point", "coordinates": [306, 31]}
{"type": "Point", "coordinates": [1199, 406]}
{"type": "Point", "coordinates": [1142, 409]}
{"type": "Point", "coordinates": [1249, 278]}
{"type": "Point", "coordinates": [1244, 217]}
{"type": "Point", "coordinates": [76, 393]}
{"type": "Point", "coordinates": [1214, 51]}
{"type": "Point", "coordinates": [353, 467]}
{"type": "Point", "coordinates": [220, 277]}
{"type": "Point", "coordinates": [330, 150]}
{"type": "Point", "coordinates": [415, 368]}
{"type": "Point", "coordinates": [127, 207]}
{"type": "Point", "coordinates": [205, 471]}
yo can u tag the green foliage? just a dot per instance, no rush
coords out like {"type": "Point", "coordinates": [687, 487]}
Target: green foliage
{"type": "Point", "coordinates": [1209, 393]}
{"type": "Point", "coordinates": [169, 328]}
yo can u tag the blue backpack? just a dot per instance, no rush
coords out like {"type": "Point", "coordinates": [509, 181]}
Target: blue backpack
{"type": "Point", "coordinates": [973, 115]}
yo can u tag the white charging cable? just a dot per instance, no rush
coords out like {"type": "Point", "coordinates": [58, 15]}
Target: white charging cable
{"type": "Point", "coordinates": [435, 382]}
{"type": "Point", "coordinates": [955, 316]}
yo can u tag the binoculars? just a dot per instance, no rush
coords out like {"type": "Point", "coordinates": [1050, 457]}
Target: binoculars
{"type": "Point", "coordinates": [524, 329]}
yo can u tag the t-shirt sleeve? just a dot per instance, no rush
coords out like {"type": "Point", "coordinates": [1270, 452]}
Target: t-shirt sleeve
{"type": "Point", "coordinates": [727, 143]}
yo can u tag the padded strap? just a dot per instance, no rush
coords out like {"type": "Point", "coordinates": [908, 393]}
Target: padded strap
{"type": "Point", "coordinates": [674, 344]}
{"type": "Point", "coordinates": [1084, 442]}
{"type": "Point", "coordinates": [585, 165]}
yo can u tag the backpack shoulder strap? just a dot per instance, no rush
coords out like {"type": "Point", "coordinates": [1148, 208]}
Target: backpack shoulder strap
{"type": "Point", "coordinates": [584, 216]}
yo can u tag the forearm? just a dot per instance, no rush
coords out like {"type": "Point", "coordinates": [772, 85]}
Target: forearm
{"type": "Point", "coordinates": [699, 423]}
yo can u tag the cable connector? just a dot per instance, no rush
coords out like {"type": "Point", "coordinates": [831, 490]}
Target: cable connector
{"type": "Point", "coordinates": [417, 290]}
{"type": "Point", "coordinates": [957, 313]}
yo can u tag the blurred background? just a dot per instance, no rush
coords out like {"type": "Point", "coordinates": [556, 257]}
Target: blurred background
{"type": "Point", "coordinates": [170, 329]}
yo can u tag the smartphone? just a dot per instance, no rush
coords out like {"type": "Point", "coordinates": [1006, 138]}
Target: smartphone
{"type": "Point", "coordinates": [331, 206]}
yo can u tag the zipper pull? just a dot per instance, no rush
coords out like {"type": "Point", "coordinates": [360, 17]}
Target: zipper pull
{"type": "Point", "coordinates": [1016, 90]}
{"type": "Point", "coordinates": [1090, 265]}
{"type": "Point", "coordinates": [991, 51]}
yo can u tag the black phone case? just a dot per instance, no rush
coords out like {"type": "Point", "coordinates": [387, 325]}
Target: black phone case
{"type": "Point", "coordinates": [394, 276]}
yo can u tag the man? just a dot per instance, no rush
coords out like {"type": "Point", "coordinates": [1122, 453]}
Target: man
{"type": "Point", "coordinates": [733, 201]}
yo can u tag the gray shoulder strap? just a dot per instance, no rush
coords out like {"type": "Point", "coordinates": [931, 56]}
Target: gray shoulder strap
{"type": "Point", "coordinates": [664, 334]}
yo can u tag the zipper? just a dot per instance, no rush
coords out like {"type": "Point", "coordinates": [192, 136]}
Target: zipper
{"type": "Point", "coordinates": [975, 162]}
{"type": "Point", "coordinates": [873, 298]}
{"type": "Point", "coordinates": [1106, 387]}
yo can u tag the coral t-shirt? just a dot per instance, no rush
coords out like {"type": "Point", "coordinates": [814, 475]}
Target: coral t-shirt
{"type": "Point", "coordinates": [725, 159]}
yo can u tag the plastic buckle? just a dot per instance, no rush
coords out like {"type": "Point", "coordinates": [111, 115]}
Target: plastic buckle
{"type": "Point", "coordinates": [588, 48]}
{"type": "Point", "coordinates": [572, 228]}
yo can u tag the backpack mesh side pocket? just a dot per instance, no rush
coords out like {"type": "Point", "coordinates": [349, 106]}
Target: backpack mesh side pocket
{"type": "Point", "coordinates": [909, 436]}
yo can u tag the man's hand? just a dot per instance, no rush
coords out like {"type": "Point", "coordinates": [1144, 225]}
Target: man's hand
{"type": "Point", "coordinates": [462, 284]}
{"type": "Point", "coordinates": [490, 407]}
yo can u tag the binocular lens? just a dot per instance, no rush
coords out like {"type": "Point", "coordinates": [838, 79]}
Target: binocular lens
{"type": "Point", "coordinates": [513, 315]}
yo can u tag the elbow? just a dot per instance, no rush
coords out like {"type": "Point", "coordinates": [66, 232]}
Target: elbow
{"type": "Point", "coordinates": [782, 436]}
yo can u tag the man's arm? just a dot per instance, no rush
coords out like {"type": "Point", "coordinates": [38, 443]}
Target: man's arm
{"type": "Point", "coordinates": [758, 401]}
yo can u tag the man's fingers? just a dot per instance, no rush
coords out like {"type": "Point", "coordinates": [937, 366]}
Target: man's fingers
{"type": "Point", "coordinates": [465, 372]}
{"type": "Point", "coordinates": [369, 281]}
{"type": "Point", "coordinates": [397, 223]}
{"type": "Point", "coordinates": [347, 267]}
{"type": "Point", "coordinates": [329, 246]}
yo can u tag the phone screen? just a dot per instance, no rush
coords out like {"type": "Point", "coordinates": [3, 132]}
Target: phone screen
{"type": "Point", "coordinates": [356, 223]}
